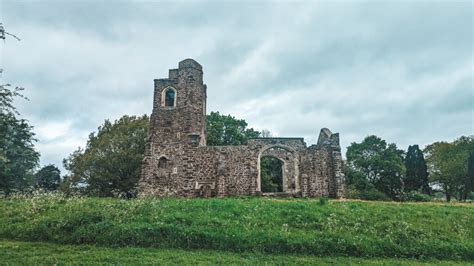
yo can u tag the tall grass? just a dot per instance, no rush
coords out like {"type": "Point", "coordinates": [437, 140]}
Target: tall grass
{"type": "Point", "coordinates": [364, 229]}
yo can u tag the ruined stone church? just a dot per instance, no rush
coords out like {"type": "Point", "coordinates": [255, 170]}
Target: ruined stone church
{"type": "Point", "coordinates": [177, 161]}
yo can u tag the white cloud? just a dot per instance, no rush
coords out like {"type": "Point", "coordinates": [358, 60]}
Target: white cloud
{"type": "Point", "coordinates": [52, 130]}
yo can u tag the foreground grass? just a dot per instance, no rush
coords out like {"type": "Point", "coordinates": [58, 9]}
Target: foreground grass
{"type": "Point", "coordinates": [256, 225]}
{"type": "Point", "coordinates": [16, 252]}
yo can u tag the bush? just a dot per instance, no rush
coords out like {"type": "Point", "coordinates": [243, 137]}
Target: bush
{"type": "Point", "coordinates": [417, 196]}
{"type": "Point", "coordinates": [373, 194]}
{"type": "Point", "coordinates": [358, 187]}
{"type": "Point", "coordinates": [370, 193]}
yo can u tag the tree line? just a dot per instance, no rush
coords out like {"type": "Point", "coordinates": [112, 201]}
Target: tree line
{"type": "Point", "coordinates": [377, 170]}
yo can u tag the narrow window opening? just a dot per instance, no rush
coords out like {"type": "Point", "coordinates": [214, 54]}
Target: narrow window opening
{"type": "Point", "coordinates": [162, 163]}
{"type": "Point", "coordinates": [169, 97]}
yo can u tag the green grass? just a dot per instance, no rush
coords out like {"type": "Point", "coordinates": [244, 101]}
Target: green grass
{"type": "Point", "coordinates": [256, 225]}
{"type": "Point", "coordinates": [16, 252]}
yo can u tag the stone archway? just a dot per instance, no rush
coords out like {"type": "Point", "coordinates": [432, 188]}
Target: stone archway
{"type": "Point", "coordinates": [290, 172]}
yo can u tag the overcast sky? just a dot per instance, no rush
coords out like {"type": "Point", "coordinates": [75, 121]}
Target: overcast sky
{"type": "Point", "coordinates": [401, 70]}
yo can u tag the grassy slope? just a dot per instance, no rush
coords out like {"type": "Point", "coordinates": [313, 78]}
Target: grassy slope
{"type": "Point", "coordinates": [369, 229]}
{"type": "Point", "coordinates": [16, 252]}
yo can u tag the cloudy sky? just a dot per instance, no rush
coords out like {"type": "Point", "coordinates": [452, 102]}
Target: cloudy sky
{"type": "Point", "coordinates": [401, 70]}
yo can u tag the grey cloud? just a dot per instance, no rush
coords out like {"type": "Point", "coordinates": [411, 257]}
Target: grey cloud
{"type": "Point", "coordinates": [399, 70]}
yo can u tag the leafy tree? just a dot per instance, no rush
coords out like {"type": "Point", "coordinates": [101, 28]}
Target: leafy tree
{"type": "Point", "coordinates": [18, 157]}
{"type": "Point", "coordinates": [440, 161]}
{"type": "Point", "coordinates": [358, 187]}
{"type": "Point", "coordinates": [271, 174]}
{"type": "Point", "coordinates": [227, 130]}
{"type": "Point", "coordinates": [111, 161]}
{"type": "Point", "coordinates": [448, 166]}
{"type": "Point", "coordinates": [470, 171]}
{"type": "Point", "coordinates": [353, 177]}
{"type": "Point", "coordinates": [416, 177]}
{"type": "Point", "coordinates": [381, 164]}
{"type": "Point", "coordinates": [48, 177]}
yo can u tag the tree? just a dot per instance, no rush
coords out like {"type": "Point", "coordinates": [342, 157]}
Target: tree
{"type": "Point", "coordinates": [470, 171]}
{"type": "Point", "coordinates": [416, 177]}
{"type": "Point", "coordinates": [18, 157]}
{"type": "Point", "coordinates": [48, 177]}
{"type": "Point", "coordinates": [465, 147]}
{"type": "Point", "coordinates": [271, 174]}
{"type": "Point", "coordinates": [111, 161]}
{"type": "Point", "coordinates": [357, 186]}
{"type": "Point", "coordinates": [448, 166]}
{"type": "Point", "coordinates": [381, 164]}
{"type": "Point", "coordinates": [227, 130]}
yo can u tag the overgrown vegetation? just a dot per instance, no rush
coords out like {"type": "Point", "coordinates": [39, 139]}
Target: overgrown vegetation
{"type": "Point", "coordinates": [293, 226]}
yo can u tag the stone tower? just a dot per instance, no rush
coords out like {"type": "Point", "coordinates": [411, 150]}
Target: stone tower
{"type": "Point", "coordinates": [178, 121]}
{"type": "Point", "coordinates": [179, 107]}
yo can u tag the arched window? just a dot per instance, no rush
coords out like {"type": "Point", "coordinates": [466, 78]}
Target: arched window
{"type": "Point", "coordinates": [169, 97]}
{"type": "Point", "coordinates": [162, 163]}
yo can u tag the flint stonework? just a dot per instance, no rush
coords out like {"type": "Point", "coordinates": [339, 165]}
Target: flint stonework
{"type": "Point", "coordinates": [177, 161]}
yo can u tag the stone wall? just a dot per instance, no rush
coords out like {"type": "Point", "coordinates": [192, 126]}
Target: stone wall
{"type": "Point", "coordinates": [178, 163]}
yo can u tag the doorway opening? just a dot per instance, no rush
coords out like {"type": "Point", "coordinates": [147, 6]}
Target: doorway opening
{"type": "Point", "coordinates": [271, 174]}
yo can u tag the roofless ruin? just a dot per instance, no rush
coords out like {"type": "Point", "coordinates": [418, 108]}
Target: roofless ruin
{"type": "Point", "coordinates": [178, 163]}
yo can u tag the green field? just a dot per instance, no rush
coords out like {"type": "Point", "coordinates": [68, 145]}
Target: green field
{"type": "Point", "coordinates": [243, 229]}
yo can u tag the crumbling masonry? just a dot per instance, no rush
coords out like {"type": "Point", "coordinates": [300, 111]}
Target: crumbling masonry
{"type": "Point", "coordinates": [177, 161]}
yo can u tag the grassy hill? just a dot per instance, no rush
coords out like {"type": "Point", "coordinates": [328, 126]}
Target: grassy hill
{"type": "Point", "coordinates": [268, 226]}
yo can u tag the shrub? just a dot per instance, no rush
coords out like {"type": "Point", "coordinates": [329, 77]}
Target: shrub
{"type": "Point", "coordinates": [373, 194]}
{"type": "Point", "coordinates": [366, 193]}
{"type": "Point", "coordinates": [417, 196]}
